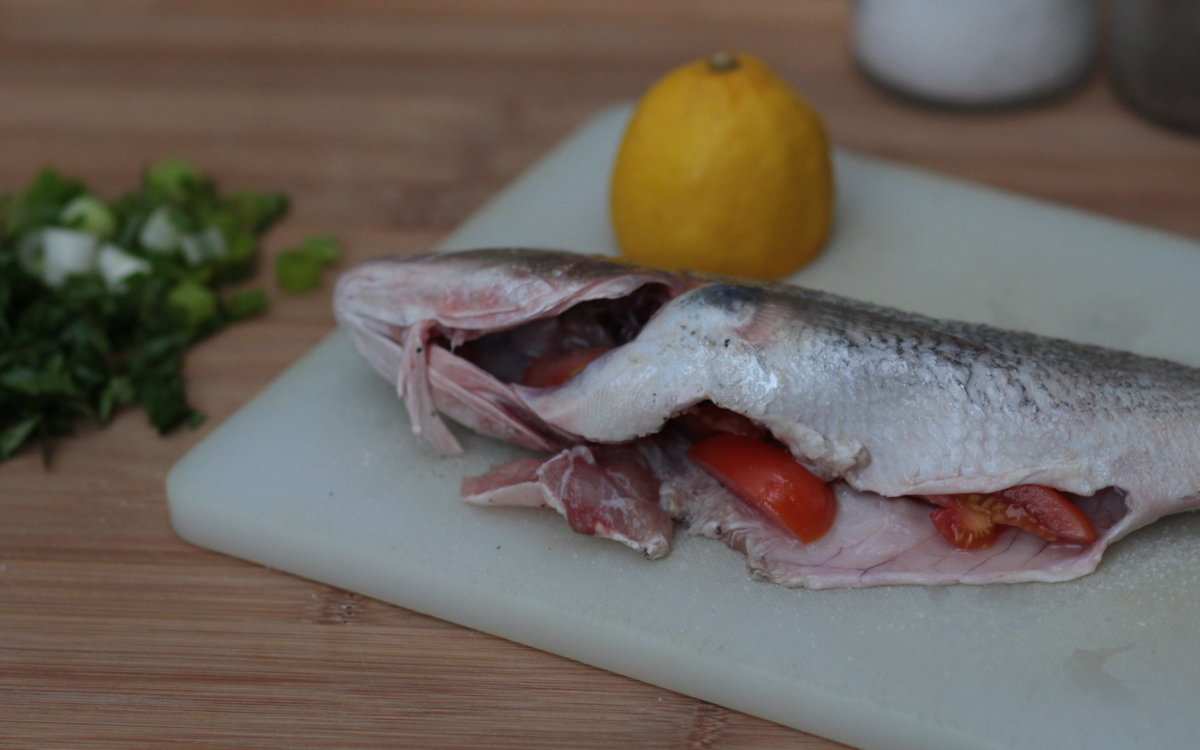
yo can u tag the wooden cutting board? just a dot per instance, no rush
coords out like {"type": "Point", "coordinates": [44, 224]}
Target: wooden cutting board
{"type": "Point", "coordinates": [320, 476]}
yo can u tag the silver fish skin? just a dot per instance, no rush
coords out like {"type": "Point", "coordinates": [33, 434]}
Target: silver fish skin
{"type": "Point", "coordinates": [891, 403]}
{"type": "Point", "coordinates": [897, 403]}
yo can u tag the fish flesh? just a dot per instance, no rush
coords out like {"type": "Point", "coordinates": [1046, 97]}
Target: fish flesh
{"type": "Point", "coordinates": [891, 407]}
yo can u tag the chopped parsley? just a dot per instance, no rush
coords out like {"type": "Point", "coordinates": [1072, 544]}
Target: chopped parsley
{"type": "Point", "coordinates": [100, 300]}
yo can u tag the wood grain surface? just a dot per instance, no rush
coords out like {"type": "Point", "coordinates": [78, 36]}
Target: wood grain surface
{"type": "Point", "coordinates": [389, 123]}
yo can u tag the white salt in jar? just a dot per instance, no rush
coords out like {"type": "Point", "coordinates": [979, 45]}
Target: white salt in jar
{"type": "Point", "coordinates": [976, 52]}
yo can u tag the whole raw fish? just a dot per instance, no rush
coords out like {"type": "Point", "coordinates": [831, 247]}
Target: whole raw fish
{"type": "Point", "coordinates": [889, 405]}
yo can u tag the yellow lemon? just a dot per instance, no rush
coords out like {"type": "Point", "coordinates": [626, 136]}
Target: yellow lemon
{"type": "Point", "coordinates": [723, 169]}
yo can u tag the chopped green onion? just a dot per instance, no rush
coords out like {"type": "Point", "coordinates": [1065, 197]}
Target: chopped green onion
{"type": "Point", "coordinates": [41, 203]}
{"type": "Point", "coordinates": [88, 213]}
{"type": "Point", "coordinates": [159, 234]}
{"type": "Point", "coordinates": [241, 247]}
{"type": "Point", "coordinates": [66, 252]}
{"type": "Point", "coordinates": [116, 265]}
{"type": "Point", "coordinates": [247, 304]}
{"type": "Point", "coordinates": [296, 272]}
{"type": "Point", "coordinates": [203, 246]}
{"type": "Point", "coordinates": [99, 302]}
{"type": "Point", "coordinates": [258, 211]}
{"type": "Point", "coordinates": [323, 248]}
{"type": "Point", "coordinates": [172, 179]}
{"type": "Point", "coordinates": [193, 302]}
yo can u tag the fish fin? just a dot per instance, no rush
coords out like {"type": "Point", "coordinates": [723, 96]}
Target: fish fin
{"type": "Point", "coordinates": [412, 383]}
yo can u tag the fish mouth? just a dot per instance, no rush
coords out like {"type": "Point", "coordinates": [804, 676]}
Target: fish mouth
{"type": "Point", "coordinates": [591, 324]}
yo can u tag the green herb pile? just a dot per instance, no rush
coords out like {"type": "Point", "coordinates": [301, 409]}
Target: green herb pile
{"type": "Point", "coordinates": [100, 300]}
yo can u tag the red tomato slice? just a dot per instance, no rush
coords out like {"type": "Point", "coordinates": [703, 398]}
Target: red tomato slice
{"type": "Point", "coordinates": [555, 369]}
{"type": "Point", "coordinates": [1059, 518]}
{"type": "Point", "coordinates": [768, 478]}
{"type": "Point", "coordinates": [1034, 508]}
{"type": "Point", "coordinates": [966, 527]}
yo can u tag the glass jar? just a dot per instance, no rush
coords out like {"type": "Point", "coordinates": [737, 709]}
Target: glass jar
{"type": "Point", "coordinates": [1155, 59]}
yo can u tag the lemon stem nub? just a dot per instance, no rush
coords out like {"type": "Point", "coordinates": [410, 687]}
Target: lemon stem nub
{"type": "Point", "coordinates": [723, 62]}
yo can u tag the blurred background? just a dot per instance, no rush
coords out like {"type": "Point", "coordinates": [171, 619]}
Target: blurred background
{"type": "Point", "coordinates": [409, 114]}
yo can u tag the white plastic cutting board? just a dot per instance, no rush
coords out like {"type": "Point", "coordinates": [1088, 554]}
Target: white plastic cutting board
{"type": "Point", "coordinates": [320, 476]}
